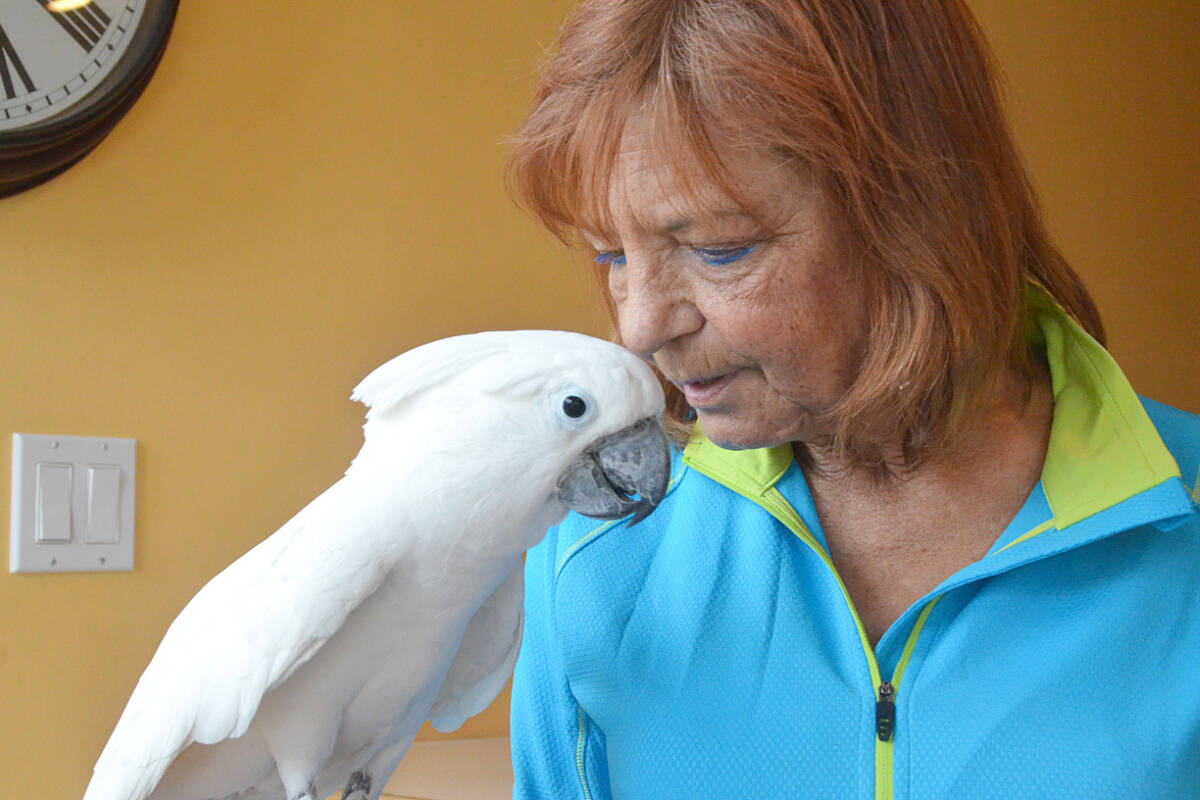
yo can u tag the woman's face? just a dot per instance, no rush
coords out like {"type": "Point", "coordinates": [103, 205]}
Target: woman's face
{"type": "Point", "coordinates": [761, 323]}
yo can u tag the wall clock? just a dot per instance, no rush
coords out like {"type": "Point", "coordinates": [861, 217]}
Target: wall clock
{"type": "Point", "coordinates": [69, 70]}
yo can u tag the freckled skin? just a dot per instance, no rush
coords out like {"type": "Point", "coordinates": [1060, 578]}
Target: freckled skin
{"type": "Point", "coordinates": [786, 326]}
{"type": "Point", "coordinates": [787, 320]}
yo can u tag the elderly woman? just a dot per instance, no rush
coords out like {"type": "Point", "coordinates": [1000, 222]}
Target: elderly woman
{"type": "Point", "coordinates": [923, 539]}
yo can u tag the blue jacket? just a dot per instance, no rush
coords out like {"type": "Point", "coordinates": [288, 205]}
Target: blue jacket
{"type": "Point", "coordinates": [712, 651]}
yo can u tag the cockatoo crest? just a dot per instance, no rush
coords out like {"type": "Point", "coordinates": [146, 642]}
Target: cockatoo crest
{"type": "Point", "coordinates": [468, 360]}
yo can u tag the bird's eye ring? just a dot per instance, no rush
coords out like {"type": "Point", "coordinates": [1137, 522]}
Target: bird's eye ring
{"type": "Point", "coordinates": [573, 406]}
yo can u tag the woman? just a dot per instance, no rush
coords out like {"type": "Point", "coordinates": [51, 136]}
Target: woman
{"type": "Point", "coordinates": [923, 539]}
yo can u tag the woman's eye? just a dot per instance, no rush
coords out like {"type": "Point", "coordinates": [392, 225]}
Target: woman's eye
{"type": "Point", "coordinates": [717, 256]}
{"type": "Point", "coordinates": [611, 258]}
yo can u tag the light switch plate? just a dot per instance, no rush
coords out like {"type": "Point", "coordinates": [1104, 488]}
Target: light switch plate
{"type": "Point", "coordinates": [72, 503]}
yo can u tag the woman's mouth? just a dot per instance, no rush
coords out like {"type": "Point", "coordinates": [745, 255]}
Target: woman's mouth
{"type": "Point", "coordinates": [703, 392]}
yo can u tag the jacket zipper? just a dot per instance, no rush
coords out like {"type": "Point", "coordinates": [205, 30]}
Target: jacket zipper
{"type": "Point", "coordinates": [885, 726]}
{"type": "Point", "coordinates": [885, 706]}
{"type": "Point", "coordinates": [885, 712]}
{"type": "Point", "coordinates": [885, 690]}
{"type": "Point", "coordinates": [777, 506]}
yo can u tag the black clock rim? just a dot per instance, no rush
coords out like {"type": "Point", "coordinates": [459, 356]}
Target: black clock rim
{"type": "Point", "coordinates": [30, 156]}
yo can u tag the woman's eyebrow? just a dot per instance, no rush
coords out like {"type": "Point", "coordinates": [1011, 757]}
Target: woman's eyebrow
{"type": "Point", "coordinates": [683, 223]}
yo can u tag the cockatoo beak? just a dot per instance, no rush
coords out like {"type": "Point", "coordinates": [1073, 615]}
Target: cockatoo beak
{"type": "Point", "coordinates": [624, 473]}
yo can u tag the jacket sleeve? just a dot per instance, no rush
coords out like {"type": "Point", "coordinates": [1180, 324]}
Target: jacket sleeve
{"type": "Point", "coordinates": [557, 751]}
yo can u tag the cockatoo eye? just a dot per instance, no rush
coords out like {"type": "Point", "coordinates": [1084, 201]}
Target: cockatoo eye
{"type": "Point", "coordinates": [574, 406]}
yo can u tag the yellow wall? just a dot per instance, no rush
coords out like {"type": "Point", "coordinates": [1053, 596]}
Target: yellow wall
{"type": "Point", "coordinates": [1104, 102]}
{"type": "Point", "coordinates": [300, 195]}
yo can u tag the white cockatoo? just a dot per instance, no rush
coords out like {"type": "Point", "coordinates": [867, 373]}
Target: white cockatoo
{"type": "Point", "coordinates": [396, 596]}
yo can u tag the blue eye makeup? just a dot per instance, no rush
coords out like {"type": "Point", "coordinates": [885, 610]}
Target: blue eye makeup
{"type": "Point", "coordinates": [611, 258]}
{"type": "Point", "coordinates": [713, 256]}
{"type": "Point", "coordinates": [718, 256]}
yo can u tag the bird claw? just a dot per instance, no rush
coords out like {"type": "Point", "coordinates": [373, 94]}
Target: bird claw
{"type": "Point", "coordinates": [358, 787]}
{"type": "Point", "coordinates": [309, 793]}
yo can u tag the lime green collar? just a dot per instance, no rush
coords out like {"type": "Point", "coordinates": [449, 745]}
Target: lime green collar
{"type": "Point", "coordinates": [1103, 448]}
{"type": "Point", "coordinates": [747, 472]}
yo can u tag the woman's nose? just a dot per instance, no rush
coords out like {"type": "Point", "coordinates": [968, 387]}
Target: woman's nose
{"type": "Point", "coordinates": [653, 304]}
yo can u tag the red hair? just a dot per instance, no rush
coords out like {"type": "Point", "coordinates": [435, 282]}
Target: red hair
{"type": "Point", "coordinates": [892, 106]}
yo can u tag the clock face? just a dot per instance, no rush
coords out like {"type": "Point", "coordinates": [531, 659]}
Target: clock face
{"type": "Point", "coordinates": [53, 53]}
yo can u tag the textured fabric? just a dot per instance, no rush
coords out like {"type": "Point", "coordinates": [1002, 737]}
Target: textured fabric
{"type": "Point", "coordinates": [711, 650]}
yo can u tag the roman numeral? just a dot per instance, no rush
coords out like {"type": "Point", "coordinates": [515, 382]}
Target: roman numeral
{"type": "Point", "coordinates": [85, 24]}
{"type": "Point", "coordinates": [8, 55]}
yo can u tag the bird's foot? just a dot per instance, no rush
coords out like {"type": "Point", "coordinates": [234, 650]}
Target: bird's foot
{"type": "Point", "coordinates": [358, 787]}
{"type": "Point", "coordinates": [309, 793]}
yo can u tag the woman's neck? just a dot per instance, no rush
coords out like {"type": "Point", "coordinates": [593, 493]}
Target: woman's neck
{"type": "Point", "coordinates": [893, 539]}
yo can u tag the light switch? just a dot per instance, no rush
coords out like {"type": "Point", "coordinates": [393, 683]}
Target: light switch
{"type": "Point", "coordinates": [103, 502]}
{"type": "Point", "coordinates": [53, 522]}
{"type": "Point", "coordinates": [72, 503]}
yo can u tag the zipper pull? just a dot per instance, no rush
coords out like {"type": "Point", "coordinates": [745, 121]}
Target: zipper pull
{"type": "Point", "coordinates": [885, 711]}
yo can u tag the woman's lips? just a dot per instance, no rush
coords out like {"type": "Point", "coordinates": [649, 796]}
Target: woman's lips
{"type": "Point", "coordinates": [704, 392]}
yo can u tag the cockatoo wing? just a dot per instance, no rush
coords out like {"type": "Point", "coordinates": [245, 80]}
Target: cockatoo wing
{"type": "Point", "coordinates": [244, 633]}
{"type": "Point", "coordinates": [486, 658]}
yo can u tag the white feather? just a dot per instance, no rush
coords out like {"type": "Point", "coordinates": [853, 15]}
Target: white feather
{"type": "Point", "coordinates": [392, 598]}
{"type": "Point", "coordinates": [485, 658]}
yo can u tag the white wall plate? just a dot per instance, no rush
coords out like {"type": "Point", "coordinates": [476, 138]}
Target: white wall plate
{"type": "Point", "coordinates": [72, 503]}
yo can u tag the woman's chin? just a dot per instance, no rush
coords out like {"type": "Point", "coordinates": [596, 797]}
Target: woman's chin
{"type": "Point", "coordinates": [726, 431]}
{"type": "Point", "coordinates": [746, 430]}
